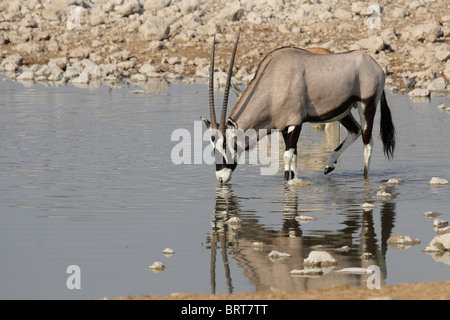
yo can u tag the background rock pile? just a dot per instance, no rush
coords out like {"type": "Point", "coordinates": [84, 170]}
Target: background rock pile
{"type": "Point", "coordinates": [86, 42]}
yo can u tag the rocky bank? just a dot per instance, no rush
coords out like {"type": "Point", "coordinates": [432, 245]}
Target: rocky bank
{"type": "Point", "coordinates": [92, 42]}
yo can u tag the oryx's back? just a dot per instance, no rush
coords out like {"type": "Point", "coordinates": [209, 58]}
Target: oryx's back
{"type": "Point", "coordinates": [292, 86]}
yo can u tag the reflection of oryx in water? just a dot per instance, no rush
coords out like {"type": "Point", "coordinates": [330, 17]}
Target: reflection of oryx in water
{"type": "Point", "coordinates": [293, 86]}
{"type": "Point", "coordinates": [235, 244]}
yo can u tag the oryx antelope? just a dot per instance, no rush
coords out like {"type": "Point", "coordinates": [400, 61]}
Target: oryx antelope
{"type": "Point", "coordinates": [293, 86]}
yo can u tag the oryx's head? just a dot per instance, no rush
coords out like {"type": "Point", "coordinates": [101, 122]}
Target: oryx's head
{"type": "Point", "coordinates": [222, 133]}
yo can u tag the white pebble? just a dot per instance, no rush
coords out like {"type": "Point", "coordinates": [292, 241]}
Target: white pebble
{"type": "Point", "coordinates": [437, 181]}
{"type": "Point", "coordinates": [384, 195]}
{"type": "Point", "coordinates": [442, 243]}
{"type": "Point", "coordinates": [367, 206]}
{"type": "Point", "coordinates": [168, 251]}
{"type": "Point", "coordinates": [342, 249]}
{"type": "Point", "coordinates": [309, 272]}
{"type": "Point", "coordinates": [157, 266]}
{"type": "Point", "coordinates": [437, 223]}
{"type": "Point", "coordinates": [305, 219]}
{"type": "Point", "coordinates": [394, 181]}
{"type": "Point", "coordinates": [399, 241]}
{"type": "Point", "coordinates": [278, 255]}
{"type": "Point", "coordinates": [431, 214]}
{"type": "Point", "coordinates": [355, 270]}
{"type": "Point", "coordinates": [258, 245]}
{"type": "Point", "coordinates": [234, 221]}
{"type": "Point", "coordinates": [320, 258]}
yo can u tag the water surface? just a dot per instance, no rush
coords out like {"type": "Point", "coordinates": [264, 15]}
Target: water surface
{"type": "Point", "coordinates": [87, 179]}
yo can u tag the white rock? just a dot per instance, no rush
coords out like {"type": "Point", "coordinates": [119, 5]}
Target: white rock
{"type": "Point", "coordinates": [154, 28]}
{"type": "Point", "coordinates": [437, 84]}
{"type": "Point", "coordinates": [355, 270]}
{"type": "Point", "coordinates": [343, 249]}
{"type": "Point", "coordinates": [234, 221]}
{"type": "Point", "coordinates": [305, 219]}
{"type": "Point", "coordinates": [437, 223]}
{"type": "Point", "coordinates": [258, 245]}
{"type": "Point", "coordinates": [168, 251]}
{"type": "Point", "coordinates": [431, 214]}
{"type": "Point", "coordinates": [394, 181]}
{"type": "Point", "coordinates": [399, 241]}
{"type": "Point", "coordinates": [427, 32]}
{"type": "Point", "coordinates": [278, 255]}
{"type": "Point", "coordinates": [437, 181]}
{"type": "Point", "coordinates": [384, 195]}
{"type": "Point", "coordinates": [374, 44]}
{"type": "Point", "coordinates": [368, 206]}
{"type": "Point", "coordinates": [308, 272]}
{"type": "Point", "coordinates": [442, 242]}
{"type": "Point", "coordinates": [137, 77]}
{"type": "Point", "coordinates": [441, 107]}
{"type": "Point", "coordinates": [127, 8]}
{"type": "Point", "coordinates": [419, 92]}
{"type": "Point", "coordinates": [26, 76]}
{"type": "Point", "coordinates": [320, 258]}
{"type": "Point", "coordinates": [157, 266]}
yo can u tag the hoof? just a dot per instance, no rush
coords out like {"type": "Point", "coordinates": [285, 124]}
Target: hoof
{"type": "Point", "coordinates": [288, 175]}
{"type": "Point", "coordinates": [328, 170]}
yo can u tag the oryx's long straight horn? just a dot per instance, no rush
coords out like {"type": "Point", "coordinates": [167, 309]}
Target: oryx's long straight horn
{"type": "Point", "coordinates": [212, 110]}
{"type": "Point", "coordinates": [227, 88]}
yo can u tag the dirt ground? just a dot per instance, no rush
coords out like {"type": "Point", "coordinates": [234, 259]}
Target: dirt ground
{"type": "Point", "coordinates": [411, 291]}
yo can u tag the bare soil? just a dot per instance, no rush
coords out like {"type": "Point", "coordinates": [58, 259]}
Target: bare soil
{"type": "Point", "coordinates": [411, 291]}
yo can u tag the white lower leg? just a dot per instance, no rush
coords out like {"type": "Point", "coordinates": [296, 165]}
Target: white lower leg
{"type": "Point", "coordinates": [294, 165]}
{"type": "Point", "coordinates": [367, 156]}
{"type": "Point", "coordinates": [288, 157]}
{"type": "Point", "coordinates": [351, 137]}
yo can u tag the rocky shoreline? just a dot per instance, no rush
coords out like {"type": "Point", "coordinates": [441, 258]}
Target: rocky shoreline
{"type": "Point", "coordinates": [89, 43]}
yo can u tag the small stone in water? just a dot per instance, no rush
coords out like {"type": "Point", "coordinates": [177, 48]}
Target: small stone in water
{"type": "Point", "coordinates": [431, 214]}
{"type": "Point", "coordinates": [168, 251]}
{"type": "Point", "coordinates": [234, 221]}
{"type": "Point", "coordinates": [394, 181]}
{"type": "Point", "coordinates": [402, 241]}
{"type": "Point", "coordinates": [437, 223]}
{"type": "Point", "coordinates": [342, 249]}
{"type": "Point", "coordinates": [368, 206]}
{"type": "Point", "coordinates": [276, 255]}
{"type": "Point", "coordinates": [437, 181]}
{"type": "Point", "coordinates": [258, 245]}
{"type": "Point", "coordinates": [304, 219]}
{"type": "Point", "coordinates": [320, 258]}
{"type": "Point", "coordinates": [309, 272]}
{"type": "Point", "coordinates": [384, 195]}
{"type": "Point", "coordinates": [157, 266]}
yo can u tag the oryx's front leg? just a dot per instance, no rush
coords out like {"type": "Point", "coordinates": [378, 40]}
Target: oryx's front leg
{"type": "Point", "coordinates": [353, 132]}
{"type": "Point", "coordinates": [291, 135]}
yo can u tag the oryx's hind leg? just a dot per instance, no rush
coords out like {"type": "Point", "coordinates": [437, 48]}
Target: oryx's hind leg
{"type": "Point", "coordinates": [291, 135]}
{"type": "Point", "coordinates": [367, 114]}
{"type": "Point", "coordinates": [353, 132]}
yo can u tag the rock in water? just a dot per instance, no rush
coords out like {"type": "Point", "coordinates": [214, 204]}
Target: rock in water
{"type": "Point", "coordinates": [320, 258]}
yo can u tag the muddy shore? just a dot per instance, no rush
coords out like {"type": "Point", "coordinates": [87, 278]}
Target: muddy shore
{"type": "Point", "coordinates": [414, 291]}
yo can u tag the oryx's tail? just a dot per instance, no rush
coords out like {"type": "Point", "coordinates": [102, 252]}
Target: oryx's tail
{"type": "Point", "coordinates": [387, 130]}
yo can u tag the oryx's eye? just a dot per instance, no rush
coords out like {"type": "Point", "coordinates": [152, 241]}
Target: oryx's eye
{"type": "Point", "coordinates": [213, 138]}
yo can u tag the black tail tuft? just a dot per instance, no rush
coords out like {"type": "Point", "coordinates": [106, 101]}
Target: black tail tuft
{"type": "Point", "coordinates": [387, 129]}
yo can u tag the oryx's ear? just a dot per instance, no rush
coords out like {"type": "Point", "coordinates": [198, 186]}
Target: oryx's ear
{"type": "Point", "coordinates": [206, 122]}
{"type": "Point", "coordinates": [231, 124]}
